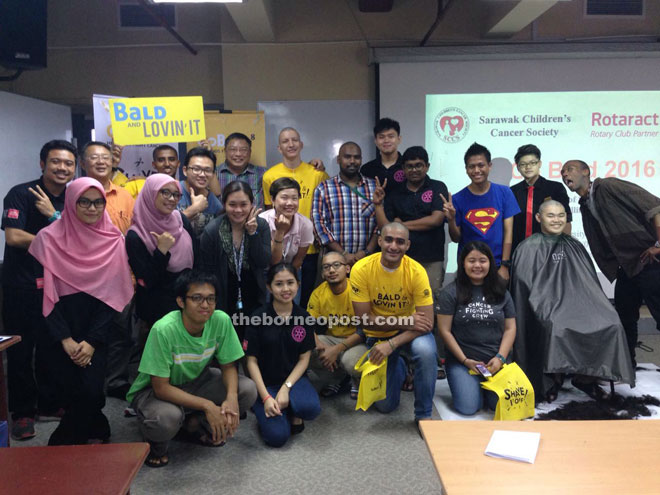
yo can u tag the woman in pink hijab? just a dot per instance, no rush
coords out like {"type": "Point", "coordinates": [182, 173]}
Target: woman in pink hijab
{"type": "Point", "coordinates": [160, 245]}
{"type": "Point", "coordinates": [86, 282]}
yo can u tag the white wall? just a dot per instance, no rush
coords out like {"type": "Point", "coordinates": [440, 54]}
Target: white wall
{"type": "Point", "coordinates": [26, 125]}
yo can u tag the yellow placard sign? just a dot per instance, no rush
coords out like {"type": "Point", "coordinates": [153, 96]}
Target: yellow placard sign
{"type": "Point", "coordinates": [157, 120]}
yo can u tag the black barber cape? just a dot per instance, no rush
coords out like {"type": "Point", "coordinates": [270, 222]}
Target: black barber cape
{"type": "Point", "coordinates": [565, 323]}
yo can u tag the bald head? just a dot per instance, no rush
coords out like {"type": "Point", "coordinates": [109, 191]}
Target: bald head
{"type": "Point", "coordinates": [552, 217]}
{"type": "Point", "coordinates": [392, 227]}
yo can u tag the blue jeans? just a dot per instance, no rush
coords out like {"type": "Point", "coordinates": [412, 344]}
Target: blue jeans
{"type": "Point", "coordinates": [466, 392]}
{"type": "Point", "coordinates": [424, 354]}
{"type": "Point", "coordinates": [396, 374]}
{"type": "Point", "coordinates": [303, 403]}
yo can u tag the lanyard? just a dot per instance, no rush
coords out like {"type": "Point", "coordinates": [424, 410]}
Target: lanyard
{"type": "Point", "coordinates": [355, 190]}
{"type": "Point", "coordinates": [238, 263]}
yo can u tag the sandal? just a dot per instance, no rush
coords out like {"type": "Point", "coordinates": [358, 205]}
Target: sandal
{"type": "Point", "coordinates": [156, 461]}
{"type": "Point", "coordinates": [194, 432]}
{"type": "Point", "coordinates": [295, 429]}
{"type": "Point", "coordinates": [591, 389]}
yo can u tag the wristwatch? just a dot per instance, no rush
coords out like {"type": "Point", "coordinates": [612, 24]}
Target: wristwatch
{"type": "Point", "coordinates": [506, 263]}
{"type": "Point", "coordinates": [288, 385]}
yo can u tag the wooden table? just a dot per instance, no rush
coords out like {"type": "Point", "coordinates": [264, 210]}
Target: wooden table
{"type": "Point", "coordinates": [574, 457]}
{"type": "Point", "coordinates": [15, 339]}
{"type": "Point", "coordinates": [72, 469]}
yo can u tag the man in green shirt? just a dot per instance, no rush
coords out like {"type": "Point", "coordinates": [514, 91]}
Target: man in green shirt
{"type": "Point", "coordinates": [176, 388]}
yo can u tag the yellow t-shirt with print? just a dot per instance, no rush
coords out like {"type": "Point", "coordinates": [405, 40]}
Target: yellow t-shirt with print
{"type": "Point", "coordinates": [391, 293]}
{"type": "Point", "coordinates": [134, 186]}
{"type": "Point", "coordinates": [308, 178]}
{"type": "Point", "coordinates": [323, 302]}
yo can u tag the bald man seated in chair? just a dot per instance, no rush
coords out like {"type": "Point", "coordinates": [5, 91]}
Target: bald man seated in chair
{"type": "Point", "coordinates": [566, 324]}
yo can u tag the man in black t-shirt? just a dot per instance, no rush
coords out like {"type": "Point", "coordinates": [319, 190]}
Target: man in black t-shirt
{"type": "Point", "coordinates": [389, 163]}
{"type": "Point", "coordinates": [28, 208]}
{"type": "Point", "coordinates": [418, 205]}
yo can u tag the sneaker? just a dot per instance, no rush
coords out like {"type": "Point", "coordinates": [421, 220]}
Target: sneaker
{"type": "Point", "coordinates": [23, 429]}
{"type": "Point", "coordinates": [51, 416]}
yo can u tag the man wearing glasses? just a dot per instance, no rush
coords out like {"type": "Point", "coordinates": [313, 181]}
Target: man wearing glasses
{"type": "Point", "coordinates": [196, 203]}
{"type": "Point", "coordinates": [96, 161]}
{"type": "Point", "coordinates": [531, 192]}
{"type": "Point", "coordinates": [391, 292]}
{"type": "Point", "coordinates": [418, 205]}
{"type": "Point", "coordinates": [338, 350]}
{"type": "Point", "coordinates": [237, 166]}
{"type": "Point", "coordinates": [177, 387]}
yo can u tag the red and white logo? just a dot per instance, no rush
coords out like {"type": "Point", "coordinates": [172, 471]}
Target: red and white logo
{"type": "Point", "coordinates": [482, 218]}
{"type": "Point", "coordinates": [451, 125]}
{"type": "Point", "coordinates": [12, 213]}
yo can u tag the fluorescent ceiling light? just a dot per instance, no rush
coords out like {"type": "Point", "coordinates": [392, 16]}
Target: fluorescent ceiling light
{"type": "Point", "coordinates": [197, 1]}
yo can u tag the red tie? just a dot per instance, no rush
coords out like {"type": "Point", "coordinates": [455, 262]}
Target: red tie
{"type": "Point", "coordinates": [528, 215]}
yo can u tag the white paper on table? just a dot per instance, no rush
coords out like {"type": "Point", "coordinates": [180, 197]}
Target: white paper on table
{"type": "Point", "coordinates": [4, 337]}
{"type": "Point", "coordinates": [515, 445]}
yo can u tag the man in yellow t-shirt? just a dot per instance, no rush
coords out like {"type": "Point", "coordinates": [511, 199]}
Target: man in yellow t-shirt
{"type": "Point", "coordinates": [290, 146]}
{"type": "Point", "coordinates": [340, 347]}
{"type": "Point", "coordinates": [392, 292]}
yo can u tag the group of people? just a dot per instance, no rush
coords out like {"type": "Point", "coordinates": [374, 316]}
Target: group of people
{"type": "Point", "coordinates": [239, 280]}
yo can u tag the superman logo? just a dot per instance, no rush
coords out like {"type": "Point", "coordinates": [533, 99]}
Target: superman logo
{"type": "Point", "coordinates": [482, 218]}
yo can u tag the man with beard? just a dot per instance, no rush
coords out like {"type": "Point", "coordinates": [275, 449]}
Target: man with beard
{"type": "Point", "coordinates": [343, 212]}
{"type": "Point", "coordinates": [553, 280]}
{"type": "Point", "coordinates": [622, 224]}
{"type": "Point", "coordinates": [338, 349]}
{"type": "Point", "coordinates": [28, 208]}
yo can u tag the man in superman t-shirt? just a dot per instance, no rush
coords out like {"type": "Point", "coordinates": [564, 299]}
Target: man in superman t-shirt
{"type": "Point", "coordinates": [483, 211]}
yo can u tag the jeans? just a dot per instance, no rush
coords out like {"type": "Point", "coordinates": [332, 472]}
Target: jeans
{"type": "Point", "coordinates": [628, 296]}
{"type": "Point", "coordinates": [396, 374]}
{"type": "Point", "coordinates": [466, 392]}
{"type": "Point", "coordinates": [425, 361]}
{"type": "Point", "coordinates": [303, 403]}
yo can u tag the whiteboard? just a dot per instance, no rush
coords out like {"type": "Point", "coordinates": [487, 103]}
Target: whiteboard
{"type": "Point", "coordinates": [324, 125]}
{"type": "Point", "coordinates": [26, 124]}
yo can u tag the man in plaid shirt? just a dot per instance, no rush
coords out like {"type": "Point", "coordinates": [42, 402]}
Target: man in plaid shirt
{"type": "Point", "coordinates": [237, 166]}
{"type": "Point", "coordinates": [342, 210]}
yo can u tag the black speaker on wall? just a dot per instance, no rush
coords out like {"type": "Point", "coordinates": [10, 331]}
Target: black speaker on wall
{"type": "Point", "coordinates": [23, 34]}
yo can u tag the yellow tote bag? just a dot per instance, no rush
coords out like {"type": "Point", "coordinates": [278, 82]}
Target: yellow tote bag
{"type": "Point", "coordinates": [515, 392]}
{"type": "Point", "coordinates": [373, 384]}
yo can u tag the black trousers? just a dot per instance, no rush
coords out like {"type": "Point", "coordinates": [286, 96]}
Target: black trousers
{"type": "Point", "coordinates": [81, 391]}
{"type": "Point", "coordinates": [30, 384]}
{"type": "Point", "coordinates": [631, 293]}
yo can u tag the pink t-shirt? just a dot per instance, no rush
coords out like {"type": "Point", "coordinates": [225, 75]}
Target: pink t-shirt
{"type": "Point", "coordinates": [301, 233]}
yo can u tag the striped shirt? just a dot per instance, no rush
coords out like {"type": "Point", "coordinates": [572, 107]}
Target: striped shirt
{"type": "Point", "coordinates": [252, 175]}
{"type": "Point", "coordinates": [344, 214]}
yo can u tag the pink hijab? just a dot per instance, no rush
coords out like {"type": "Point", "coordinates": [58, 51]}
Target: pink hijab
{"type": "Point", "coordinates": [80, 257]}
{"type": "Point", "coordinates": [147, 219]}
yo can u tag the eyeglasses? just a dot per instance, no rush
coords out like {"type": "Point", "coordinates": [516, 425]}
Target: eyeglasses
{"type": "Point", "coordinates": [400, 241]}
{"type": "Point", "coordinates": [199, 170]}
{"type": "Point", "coordinates": [93, 158]}
{"type": "Point", "coordinates": [86, 203]}
{"type": "Point", "coordinates": [243, 149]}
{"type": "Point", "coordinates": [198, 299]}
{"type": "Point", "coordinates": [533, 163]}
{"type": "Point", "coordinates": [334, 265]}
{"type": "Point", "coordinates": [167, 194]}
{"type": "Point", "coordinates": [414, 166]}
